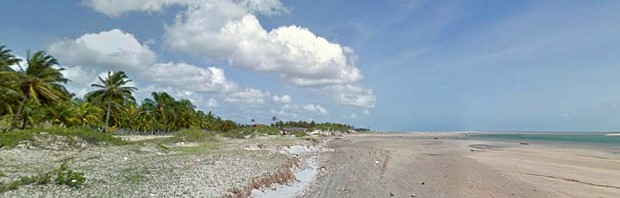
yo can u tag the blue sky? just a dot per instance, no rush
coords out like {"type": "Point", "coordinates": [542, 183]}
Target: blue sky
{"type": "Point", "coordinates": [388, 65]}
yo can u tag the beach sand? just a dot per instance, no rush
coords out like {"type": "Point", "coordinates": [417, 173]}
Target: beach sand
{"type": "Point", "coordinates": [408, 165]}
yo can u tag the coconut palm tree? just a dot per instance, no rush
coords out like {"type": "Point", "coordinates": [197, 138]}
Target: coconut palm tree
{"type": "Point", "coordinates": [10, 95]}
{"type": "Point", "coordinates": [161, 104]}
{"type": "Point", "coordinates": [86, 112]}
{"type": "Point", "coordinates": [7, 59]}
{"type": "Point", "coordinates": [40, 83]}
{"type": "Point", "coordinates": [112, 90]}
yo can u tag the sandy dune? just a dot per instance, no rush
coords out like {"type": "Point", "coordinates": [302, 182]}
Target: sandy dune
{"type": "Point", "coordinates": [407, 165]}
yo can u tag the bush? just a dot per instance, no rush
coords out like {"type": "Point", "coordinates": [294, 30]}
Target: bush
{"type": "Point", "coordinates": [12, 138]}
{"type": "Point", "coordinates": [311, 139]}
{"type": "Point", "coordinates": [193, 135]}
{"type": "Point", "coordinates": [333, 127]}
{"type": "Point", "coordinates": [300, 134]}
{"type": "Point", "coordinates": [64, 176]}
{"type": "Point", "coordinates": [241, 133]}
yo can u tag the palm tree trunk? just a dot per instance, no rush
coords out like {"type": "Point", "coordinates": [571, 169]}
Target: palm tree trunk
{"type": "Point", "coordinates": [107, 116]}
{"type": "Point", "coordinates": [19, 111]}
{"type": "Point", "coordinates": [24, 121]}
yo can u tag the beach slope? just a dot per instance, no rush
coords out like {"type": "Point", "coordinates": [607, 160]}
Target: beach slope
{"type": "Point", "coordinates": [440, 165]}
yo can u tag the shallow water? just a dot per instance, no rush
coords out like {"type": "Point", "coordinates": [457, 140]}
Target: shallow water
{"type": "Point", "coordinates": [577, 138]}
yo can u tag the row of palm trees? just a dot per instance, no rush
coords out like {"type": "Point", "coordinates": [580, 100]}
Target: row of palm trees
{"type": "Point", "coordinates": [32, 92]}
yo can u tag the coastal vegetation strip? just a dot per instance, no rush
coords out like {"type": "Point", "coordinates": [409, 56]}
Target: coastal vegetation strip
{"type": "Point", "coordinates": [114, 139]}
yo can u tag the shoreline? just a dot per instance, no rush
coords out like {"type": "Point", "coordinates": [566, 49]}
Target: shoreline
{"type": "Point", "coordinates": [414, 164]}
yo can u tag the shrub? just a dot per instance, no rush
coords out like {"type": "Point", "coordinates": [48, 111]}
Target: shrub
{"type": "Point", "coordinates": [311, 139]}
{"type": "Point", "coordinates": [12, 138]}
{"type": "Point", "coordinates": [300, 134]}
{"type": "Point", "coordinates": [241, 133]}
{"type": "Point", "coordinates": [66, 176]}
{"type": "Point", "coordinates": [193, 135]}
{"type": "Point", "coordinates": [63, 176]}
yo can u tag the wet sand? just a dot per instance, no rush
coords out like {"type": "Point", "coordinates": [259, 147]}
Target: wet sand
{"type": "Point", "coordinates": [407, 165]}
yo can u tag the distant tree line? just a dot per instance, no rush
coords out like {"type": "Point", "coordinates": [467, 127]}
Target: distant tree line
{"type": "Point", "coordinates": [34, 93]}
{"type": "Point", "coordinates": [327, 126]}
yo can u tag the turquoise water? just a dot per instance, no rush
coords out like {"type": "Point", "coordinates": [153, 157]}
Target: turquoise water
{"type": "Point", "coordinates": [579, 138]}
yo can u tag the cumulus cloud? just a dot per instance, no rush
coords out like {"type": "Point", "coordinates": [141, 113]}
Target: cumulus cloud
{"type": "Point", "coordinates": [81, 79]}
{"type": "Point", "coordinates": [284, 113]}
{"type": "Point", "coordinates": [211, 103]}
{"type": "Point", "coordinates": [317, 109]}
{"type": "Point", "coordinates": [113, 49]}
{"type": "Point", "coordinates": [115, 8]}
{"type": "Point", "coordinates": [190, 77]}
{"type": "Point", "coordinates": [228, 30]}
{"type": "Point", "coordinates": [117, 50]}
{"type": "Point", "coordinates": [285, 99]}
{"type": "Point", "coordinates": [247, 96]}
{"type": "Point", "coordinates": [355, 96]}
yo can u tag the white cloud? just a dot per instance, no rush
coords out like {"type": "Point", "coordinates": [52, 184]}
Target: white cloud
{"type": "Point", "coordinates": [226, 30]}
{"type": "Point", "coordinates": [247, 96]}
{"type": "Point", "coordinates": [285, 99]}
{"type": "Point", "coordinates": [112, 49]}
{"type": "Point", "coordinates": [211, 103]}
{"type": "Point", "coordinates": [317, 109]}
{"type": "Point", "coordinates": [115, 8]}
{"type": "Point", "coordinates": [105, 50]}
{"type": "Point", "coordinates": [266, 7]}
{"type": "Point", "coordinates": [80, 79]}
{"type": "Point", "coordinates": [190, 77]}
{"type": "Point", "coordinates": [355, 96]}
{"type": "Point", "coordinates": [284, 114]}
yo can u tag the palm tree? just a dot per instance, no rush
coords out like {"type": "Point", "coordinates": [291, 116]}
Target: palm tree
{"type": "Point", "coordinates": [6, 59]}
{"type": "Point", "coordinates": [160, 103]}
{"type": "Point", "coordinates": [8, 79]}
{"type": "Point", "coordinates": [60, 113]}
{"type": "Point", "coordinates": [40, 82]}
{"type": "Point", "coordinates": [87, 113]}
{"type": "Point", "coordinates": [186, 115]}
{"type": "Point", "coordinates": [112, 89]}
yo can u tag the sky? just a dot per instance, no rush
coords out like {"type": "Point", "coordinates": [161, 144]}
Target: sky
{"type": "Point", "coordinates": [399, 65]}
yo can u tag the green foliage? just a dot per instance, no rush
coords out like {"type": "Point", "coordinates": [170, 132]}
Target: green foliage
{"type": "Point", "coordinates": [193, 135]}
{"type": "Point", "coordinates": [36, 94]}
{"type": "Point", "coordinates": [241, 133]}
{"type": "Point", "coordinates": [61, 176]}
{"type": "Point", "coordinates": [13, 138]}
{"type": "Point", "coordinates": [300, 134]}
{"type": "Point", "coordinates": [199, 149]}
{"type": "Point", "coordinates": [90, 136]}
{"type": "Point", "coordinates": [311, 139]}
{"type": "Point", "coordinates": [71, 178]}
{"type": "Point", "coordinates": [133, 175]}
{"type": "Point", "coordinates": [333, 127]}
{"type": "Point", "coordinates": [327, 126]}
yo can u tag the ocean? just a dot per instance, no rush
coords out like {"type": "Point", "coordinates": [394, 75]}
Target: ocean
{"type": "Point", "coordinates": [558, 137]}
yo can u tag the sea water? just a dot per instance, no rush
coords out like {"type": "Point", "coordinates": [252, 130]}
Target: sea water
{"type": "Point", "coordinates": [576, 138]}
